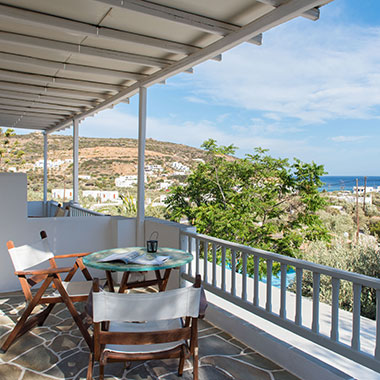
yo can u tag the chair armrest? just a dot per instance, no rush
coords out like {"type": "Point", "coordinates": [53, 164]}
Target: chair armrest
{"type": "Point", "coordinates": [43, 271]}
{"type": "Point", "coordinates": [72, 255]}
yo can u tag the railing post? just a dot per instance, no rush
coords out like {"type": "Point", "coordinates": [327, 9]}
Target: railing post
{"type": "Point", "coordinates": [268, 305]}
{"type": "Point", "coordinates": [256, 275]}
{"type": "Point", "coordinates": [377, 348]}
{"type": "Point", "coordinates": [213, 264]}
{"type": "Point", "coordinates": [205, 261]}
{"type": "Point", "coordinates": [284, 269]}
{"type": "Point", "coordinates": [299, 273]}
{"type": "Point", "coordinates": [355, 341]}
{"type": "Point", "coordinates": [244, 276]}
{"type": "Point", "coordinates": [334, 334]}
{"type": "Point", "coordinates": [316, 284]}
{"type": "Point", "coordinates": [183, 243]}
{"type": "Point", "coordinates": [224, 269]}
{"type": "Point", "coordinates": [233, 272]}
{"type": "Point", "coordinates": [197, 255]}
{"type": "Point", "coordinates": [190, 250]}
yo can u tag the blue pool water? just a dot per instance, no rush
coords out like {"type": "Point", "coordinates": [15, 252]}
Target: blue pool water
{"type": "Point", "coordinates": [276, 280]}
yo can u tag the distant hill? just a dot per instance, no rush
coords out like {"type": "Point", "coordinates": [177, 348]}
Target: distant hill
{"type": "Point", "coordinates": [103, 159]}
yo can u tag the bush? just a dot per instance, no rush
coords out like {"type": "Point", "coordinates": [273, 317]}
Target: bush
{"type": "Point", "coordinates": [362, 258]}
{"type": "Point", "coordinates": [374, 228]}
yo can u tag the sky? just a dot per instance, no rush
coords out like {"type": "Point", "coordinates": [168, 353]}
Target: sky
{"type": "Point", "coordinates": [311, 91]}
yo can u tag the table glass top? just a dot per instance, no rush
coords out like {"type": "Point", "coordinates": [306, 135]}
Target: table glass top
{"type": "Point", "coordinates": [176, 258]}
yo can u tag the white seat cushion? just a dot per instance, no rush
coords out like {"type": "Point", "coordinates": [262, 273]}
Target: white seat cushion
{"type": "Point", "coordinates": [75, 288]}
{"type": "Point", "coordinates": [144, 327]}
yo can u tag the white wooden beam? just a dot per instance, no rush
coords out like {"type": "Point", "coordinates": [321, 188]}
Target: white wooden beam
{"type": "Point", "coordinates": [37, 104]}
{"type": "Point", "coordinates": [21, 108]}
{"type": "Point", "coordinates": [42, 90]}
{"type": "Point", "coordinates": [203, 23]}
{"type": "Point", "coordinates": [311, 14]}
{"type": "Point", "coordinates": [69, 67]}
{"type": "Point", "coordinates": [45, 171]}
{"type": "Point", "coordinates": [13, 121]}
{"type": "Point", "coordinates": [33, 115]}
{"type": "Point", "coordinates": [75, 161]}
{"type": "Point", "coordinates": [78, 49]}
{"type": "Point", "coordinates": [82, 29]}
{"type": "Point", "coordinates": [279, 15]}
{"type": "Point", "coordinates": [46, 80]}
{"type": "Point", "coordinates": [72, 103]}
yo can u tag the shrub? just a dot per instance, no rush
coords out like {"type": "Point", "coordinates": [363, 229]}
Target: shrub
{"type": "Point", "coordinates": [362, 258]}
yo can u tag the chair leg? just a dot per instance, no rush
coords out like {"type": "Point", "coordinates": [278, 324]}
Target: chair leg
{"type": "Point", "coordinates": [74, 313]}
{"type": "Point", "coordinates": [45, 314]}
{"type": "Point", "coordinates": [195, 363]}
{"type": "Point", "coordinates": [181, 362]}
{"type": "Point", "coordinates": [23, 326]}
{"type": "Point", "coordinates": [101, 371]}
{"type": "Point", "coordinates": [90, 367]}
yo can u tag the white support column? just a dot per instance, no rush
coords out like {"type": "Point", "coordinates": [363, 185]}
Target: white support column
{"type": "Point", "coordinates": [45, 171]}
{"type": "Point", "coordinates": [75, 161]}
{"type": "Point", "coordinates": [140, 240]}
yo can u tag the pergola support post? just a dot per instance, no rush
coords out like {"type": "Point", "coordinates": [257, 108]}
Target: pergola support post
{"type": "Point", "coordinates": [75, 161]}
{"type": "Point", "coordinates": [45, 172]}
{"type": "Point", "coordinates": [141, 169]}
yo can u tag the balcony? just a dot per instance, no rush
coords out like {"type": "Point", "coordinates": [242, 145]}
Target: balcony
{"type": "Point", "coordinates": [301, 336]}
{"type": "Point", "coordinates": [57, 351]}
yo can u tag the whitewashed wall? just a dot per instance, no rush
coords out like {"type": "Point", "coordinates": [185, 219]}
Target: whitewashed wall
{"type": "Point", "coordinates": [66, 235]}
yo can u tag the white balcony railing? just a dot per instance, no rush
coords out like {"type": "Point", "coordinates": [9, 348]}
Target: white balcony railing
{"type": "Point", "coordinates": [251, 294]}
{"type": "Point", "coordinates": [76, 210]}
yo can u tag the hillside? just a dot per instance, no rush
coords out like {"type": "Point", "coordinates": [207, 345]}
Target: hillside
{"type": "Point", "coordinates": [101, 160]}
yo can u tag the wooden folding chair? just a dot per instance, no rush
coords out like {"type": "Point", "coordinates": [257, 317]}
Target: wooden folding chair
{"type": "Point", "coordinates": [27, 256]}
{"type": "Point", "coordinates": [166, 328]}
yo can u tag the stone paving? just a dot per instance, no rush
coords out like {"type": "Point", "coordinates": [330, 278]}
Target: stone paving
{"type": "Point", "coordinates": [57, 351]}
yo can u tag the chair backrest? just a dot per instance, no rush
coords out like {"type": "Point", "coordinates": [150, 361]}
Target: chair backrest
{"type": "Point", "coordinates": [171, 304]}
{"type": "Point", "coordinates": [27, 256]}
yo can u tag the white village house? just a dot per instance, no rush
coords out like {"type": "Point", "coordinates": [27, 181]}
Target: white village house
{"type": "Point", "coordinates": [102, 195]}
{"type": "Point", "coordinates": [61, 62]}
{"type": "Point", "coordinates": [126, 181]}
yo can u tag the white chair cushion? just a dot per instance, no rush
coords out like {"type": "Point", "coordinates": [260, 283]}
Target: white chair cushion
{"type": "Point", "coordinates": [75, 288]}
{"type": "Point", "coordinates": [144, 327]}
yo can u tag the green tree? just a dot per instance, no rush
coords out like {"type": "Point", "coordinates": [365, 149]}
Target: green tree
{"type": "Point", "coordinates": [260, 201]}
{"type": "Point", "coordinates": [10, 154]}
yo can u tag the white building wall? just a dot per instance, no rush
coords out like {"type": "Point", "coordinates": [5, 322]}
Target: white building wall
{"type": "Point", "coordinates": [126, 181]}
{"type": "Point", "coordinates": [62, 193]}
{"type": "Point", "coordinates": [103, 196]}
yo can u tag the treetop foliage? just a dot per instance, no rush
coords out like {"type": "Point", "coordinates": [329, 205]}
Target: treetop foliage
{"type": "Point", "coordinates": [260, 201]}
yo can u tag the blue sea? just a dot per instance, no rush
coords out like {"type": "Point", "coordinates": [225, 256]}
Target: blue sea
{"type": "Point", "coordinates": [336, 183]}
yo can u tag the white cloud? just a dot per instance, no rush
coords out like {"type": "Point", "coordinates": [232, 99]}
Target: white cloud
{"type": "Point", "coordinates": [332, 72]}
{"type": "Point", "coordinates": [349, 138]}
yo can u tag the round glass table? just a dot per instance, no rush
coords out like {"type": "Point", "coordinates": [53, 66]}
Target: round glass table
{"type": "Point", "coordinates": [176, 258]}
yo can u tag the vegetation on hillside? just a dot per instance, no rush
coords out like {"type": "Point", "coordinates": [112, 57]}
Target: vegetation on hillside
{"type": "Point", "coordinates": [10, 153]}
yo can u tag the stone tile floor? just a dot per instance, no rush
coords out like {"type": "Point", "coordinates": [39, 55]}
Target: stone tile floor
{"type": "Point", "coordinates": [57, 351]}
